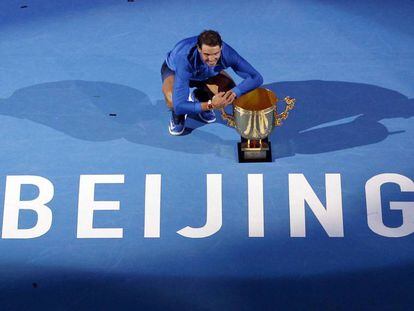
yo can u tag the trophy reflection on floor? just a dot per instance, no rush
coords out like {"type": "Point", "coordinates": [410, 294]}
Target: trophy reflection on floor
{"type": "Point", "coordinates": [254, 117]}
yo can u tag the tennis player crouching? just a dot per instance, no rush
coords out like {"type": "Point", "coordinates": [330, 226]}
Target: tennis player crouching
{"type": "Point", "coordinates": [199, 62]}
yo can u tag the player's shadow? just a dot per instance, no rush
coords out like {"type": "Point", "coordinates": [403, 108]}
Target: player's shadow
{"type": "Point", "coordinates": [101, 111]}
{"type": "Point", "coordinates": [328, 116]}
{"type": "Point", "coordinates": [332, 115]}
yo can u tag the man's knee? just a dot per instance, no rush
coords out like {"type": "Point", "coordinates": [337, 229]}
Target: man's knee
{"type": "Point", "coordinates": [225, 83]}
{"type": "Point", "coordinates": [167, 88]}
{"type": "Point", "coordinates": [168, 100]}
{"type": "Point", "coordinates": [220, 83]}
{"type": "Point", "coordinates": [203, 94]}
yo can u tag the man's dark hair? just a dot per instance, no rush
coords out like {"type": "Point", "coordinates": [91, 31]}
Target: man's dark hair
{"type": "Point", "coordinates": [210, 38]}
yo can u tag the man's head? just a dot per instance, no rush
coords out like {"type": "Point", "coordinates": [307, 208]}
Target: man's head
{"type": "Point", "coordinates": [209, 46]}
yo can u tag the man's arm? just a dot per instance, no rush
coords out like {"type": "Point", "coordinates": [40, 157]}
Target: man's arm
{"type": "Point", "coordinates": [252, 78]}
{"type": "Point", "coordinates": [180, 95]}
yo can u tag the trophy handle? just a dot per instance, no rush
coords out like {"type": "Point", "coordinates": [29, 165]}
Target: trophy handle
{"type": "Point", "coordinates": [290, 103]}
{"type": "Point", "coordinates": [228, 117]}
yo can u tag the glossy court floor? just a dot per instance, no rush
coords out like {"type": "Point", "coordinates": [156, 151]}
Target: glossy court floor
{"type": "Point", "coordinates": [80, 97]}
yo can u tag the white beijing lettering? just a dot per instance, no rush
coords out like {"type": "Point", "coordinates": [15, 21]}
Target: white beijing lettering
{"type": "Point", "coordinates": [256, 214]}
{"type": "Point", "coordinates": [374, 208]}
{"type": "Point", "coordinates": [13, 204]}
{"type": "Point", "coordinates": [331, 217]}
{"type": "Point", "coordinates": [214, 210]}
{"type": "Point", "coordinates": [87, 205]}
{"type": "Point", "coordinates": [152, 206]}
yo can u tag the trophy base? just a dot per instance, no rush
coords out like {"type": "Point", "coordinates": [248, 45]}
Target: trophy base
{"type": "Point", "coordinates": [254, 150]}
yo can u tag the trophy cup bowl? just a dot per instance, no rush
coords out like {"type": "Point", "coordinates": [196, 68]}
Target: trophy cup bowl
{"type": "Point", "coordinates": [254, 117]}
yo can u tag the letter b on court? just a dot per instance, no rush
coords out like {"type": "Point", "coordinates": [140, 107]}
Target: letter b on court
{"type": "Point", "coordinates": [13, 205]}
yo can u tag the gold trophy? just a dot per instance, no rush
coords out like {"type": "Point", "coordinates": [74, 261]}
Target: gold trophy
{"type": "Point", "coordinates": [254, 117]}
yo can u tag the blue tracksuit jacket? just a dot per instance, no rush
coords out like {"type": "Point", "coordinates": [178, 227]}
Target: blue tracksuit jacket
{"type": "Point", "coordinates": [185, 60]}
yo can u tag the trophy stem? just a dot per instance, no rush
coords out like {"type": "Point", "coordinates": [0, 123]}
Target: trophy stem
{"type": "Point", "coordinates": [250, 150]}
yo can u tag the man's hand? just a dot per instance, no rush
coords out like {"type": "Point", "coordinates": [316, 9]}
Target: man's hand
{"type": "Point", "coordinates": [230, 95]}
{"type": "Point", "coordinates": [222, 99]}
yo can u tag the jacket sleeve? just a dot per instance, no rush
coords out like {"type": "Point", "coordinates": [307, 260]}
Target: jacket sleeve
{"type": "Point", "coordinates": [252, 78]}
{"type": "Point", "coordinates": [182, 89]}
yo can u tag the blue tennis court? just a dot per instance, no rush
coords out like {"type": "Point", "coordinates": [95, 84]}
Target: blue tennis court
{"type": "Point", "coordinates": [103, 209]}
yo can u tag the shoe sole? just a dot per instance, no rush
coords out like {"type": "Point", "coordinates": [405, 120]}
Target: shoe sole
{"type": "Point", "coordinates": [177, 133]}
{"type": "Point", "coordinates": [207, 121]}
